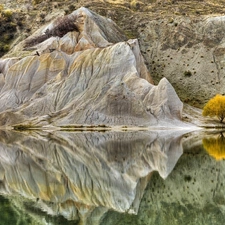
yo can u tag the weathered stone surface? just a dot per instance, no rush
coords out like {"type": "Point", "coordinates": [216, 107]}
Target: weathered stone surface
{"type": "Point", "coordinates": [93, 31]}
{"type": "Point", "coordinates": [189, 52]}
{"type": "Point", "coordinates": [89, 78]}
{"type": "Point", "coordinates": [89, 31]}
{"type": "Point", "coordinates": [79, 174]}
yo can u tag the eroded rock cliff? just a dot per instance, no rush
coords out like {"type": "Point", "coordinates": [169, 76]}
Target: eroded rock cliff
{"type": "Point", "coordinates": [80, 70]}
{"type": "Point", "coordinates": [189, 52]}
{"type": "Point", "coordinates": [180, 40]}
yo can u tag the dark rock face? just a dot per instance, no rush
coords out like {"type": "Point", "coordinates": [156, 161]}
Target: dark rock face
{"type": "Point", "coordinates": [90, 76]}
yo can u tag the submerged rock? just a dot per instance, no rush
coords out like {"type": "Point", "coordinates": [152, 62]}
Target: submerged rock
{"type": "Point", "coordinates": [83, 73]}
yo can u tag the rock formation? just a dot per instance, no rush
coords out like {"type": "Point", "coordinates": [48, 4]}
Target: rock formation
{"type": "Point", "coordinates": [189, 52]}
{"type": "Point", "coordinates": [78, 175]}
{"type": "Point", "coordinates": [86, 74]}
{"type": "Point", "coordinates": [180, 40]}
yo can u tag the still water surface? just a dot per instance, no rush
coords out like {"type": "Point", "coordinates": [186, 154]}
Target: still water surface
{"type": "Point", "coordinates": [112, 178]}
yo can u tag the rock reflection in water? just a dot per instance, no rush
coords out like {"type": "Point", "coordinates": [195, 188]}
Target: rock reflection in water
{"type": "Point", "coordinates": [192, 194]}
{"type": "Point", "coordinates": [82, 175]}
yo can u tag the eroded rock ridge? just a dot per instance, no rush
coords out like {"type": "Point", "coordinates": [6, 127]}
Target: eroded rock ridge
{"type": "Point", "coordinates": [91, 75]}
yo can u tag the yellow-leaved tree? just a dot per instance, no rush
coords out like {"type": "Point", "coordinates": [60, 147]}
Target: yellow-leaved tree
{"type": "Point", "coordinates": [215, 146]}
{"type": "Point", "coordinates": [215, 107]}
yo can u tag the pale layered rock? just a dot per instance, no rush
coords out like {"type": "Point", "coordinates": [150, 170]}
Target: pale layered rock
{"type": "Point", "coordinates": [82, 174]}
{"type": "Point", "coordinates": [88, 79]}
{"type": "Point", "coordinates": [5, 64]}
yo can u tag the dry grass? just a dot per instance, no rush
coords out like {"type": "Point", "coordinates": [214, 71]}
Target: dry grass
{"type": "Point", "coordinates": [128, 14]}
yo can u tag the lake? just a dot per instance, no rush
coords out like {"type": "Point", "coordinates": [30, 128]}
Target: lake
{"type": "Point", "coordinates": [112, 178]}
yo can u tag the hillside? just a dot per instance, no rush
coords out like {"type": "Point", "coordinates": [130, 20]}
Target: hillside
{"type": "Point", "coordinates": [79, 70]}
{"type": "Point", "coordinates": [180, 40]}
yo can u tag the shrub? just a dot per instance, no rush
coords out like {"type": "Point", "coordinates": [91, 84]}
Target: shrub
{"type": "Point", "coordinates": [35, 2]}
{"type": "Point", "coordinates": [4, 48]}
{"type": "Point", "coordinates": [215, 107]}
{"type": "Point", "coordinates": [6, 37]}
{"type": "Point", "coordinates": [7, 14]}
{"type": "Point", "coordinates": [135, 5]}
{"type": "Point", "coordinates": [71, 8]}
{"type": "Point", "coordinates": [1, 7]}
{"type": "Point", "coordinates": [42, 15]}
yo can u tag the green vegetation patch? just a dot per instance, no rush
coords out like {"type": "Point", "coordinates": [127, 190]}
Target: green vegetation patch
{"type": "Point", "coordinates": [7, 29]}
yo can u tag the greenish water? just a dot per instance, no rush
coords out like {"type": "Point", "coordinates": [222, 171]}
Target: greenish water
{"type": "Point", "coordinates": [135, 178]}
{"type": "Point", "coordinates": [13, 214]}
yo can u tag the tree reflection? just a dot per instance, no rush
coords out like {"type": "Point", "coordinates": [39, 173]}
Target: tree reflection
{"type": "Point", "coordinates": [215, 146]}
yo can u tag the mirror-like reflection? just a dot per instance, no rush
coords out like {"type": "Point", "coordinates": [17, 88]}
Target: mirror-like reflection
{"type": "Point", "coordinates": [108, 178]}
{"type": "Point", "coordinates": [21, 211]}
{"type": "Point", "coordinates": [193, 193]}
{"type": "Point", "coordinates": [80, 176]}
{"type": "Point", "coordinates": [215, 146]}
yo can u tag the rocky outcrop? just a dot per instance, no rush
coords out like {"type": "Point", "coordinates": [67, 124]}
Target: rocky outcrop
{"type": "Point", "coordinates": [89, 75]}
{"type": "Point", "coordinates": [180, 40]}
{"type": "Point", "coordinates": [79, 175]}
{"type": "Point", "coordinates": [189, 52]}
